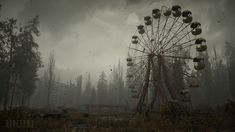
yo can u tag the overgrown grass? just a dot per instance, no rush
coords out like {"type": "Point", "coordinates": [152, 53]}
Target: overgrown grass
{"type": "Point", "coordinates": [222, 119]}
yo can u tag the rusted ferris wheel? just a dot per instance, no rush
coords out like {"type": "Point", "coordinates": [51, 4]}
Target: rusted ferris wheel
{"type": "Point", "coordinates": [168, 36]}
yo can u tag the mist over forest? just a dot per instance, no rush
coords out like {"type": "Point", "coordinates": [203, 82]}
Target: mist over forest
{"type": "Point", "coordinates": [76, 54]}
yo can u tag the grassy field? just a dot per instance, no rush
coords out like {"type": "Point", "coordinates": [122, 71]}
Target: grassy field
{"type": "Point", "coordinates": [222, 119]}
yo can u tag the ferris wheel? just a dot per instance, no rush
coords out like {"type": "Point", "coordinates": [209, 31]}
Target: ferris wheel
{"type": "Point", "coordinates": [166, 37]}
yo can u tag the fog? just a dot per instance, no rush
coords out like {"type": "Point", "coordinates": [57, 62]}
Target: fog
{"type": "Point", "coordinates": [117, 65]}
{"type": "Point", "coordinates": [91, 35]}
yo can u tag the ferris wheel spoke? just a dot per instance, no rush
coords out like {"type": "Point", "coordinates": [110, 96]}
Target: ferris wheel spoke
{"type": "Point", "coordinates": [139, 64]}
{"type": "Point", "coordinates": [138, 50]}
{"type": "Point", "coordinates": [147, 35]}
{"type": "Point", "coordinates": [190, 43]}
{"type": "Point", "coordinates": [180, 49]}
{"type": "Point", "coordinates": [139, 57]}
{"type": "Point", "coordinates": [136, 64]}
{"type": "Point", "coordinates": [143, 45]}
{"type": "Point", "coordinates": [181, 38]}
{"type": "Point", "coordinates": [153, 36]}
{"type": "Point", "coordinates": [141, 61]}
{"type": "Point", "coordinates": [179, 57]}
{"type": "Point", "coordinates": [179, 44]}
{"type": "Point", "coordinates": [176, 33]}
{"type": "Point", "coordinates": [143, 41]}
{"type": "Point", "coordinates": [190, 37]}
{"type": "Point", "coordinates": [157, 31]}
{"type": "Point", "coordinates": [146, 42]}
{"type": "Point", "coordinates": [165, 29]}
{"type": "Point", "coordinates": [144, 48]}
{"type": "Point", "coordinates": [168, 33]}
{"type": "Point", "coordinates": [177, 21]}
{"type": "Point", "coordinates": [162, 30]}
{"type": "Point", "coordinates": [152, 31]}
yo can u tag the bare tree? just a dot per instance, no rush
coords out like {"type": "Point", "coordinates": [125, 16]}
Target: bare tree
{"type": "Point", "coordinates": [79, 89]}
{"type": "Point", "coordinates": [102, 89]}
{"type": "Point", "coordinates": [51, 78]}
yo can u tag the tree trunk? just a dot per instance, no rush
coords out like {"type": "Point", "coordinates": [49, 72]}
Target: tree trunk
{"type": "Point", "coordinates": [13, 92]}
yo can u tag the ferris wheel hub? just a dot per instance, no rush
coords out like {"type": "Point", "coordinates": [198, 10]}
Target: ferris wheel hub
{"type": "Point", "coordinates": [151, 55]}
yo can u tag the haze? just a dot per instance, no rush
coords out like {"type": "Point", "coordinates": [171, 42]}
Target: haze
{"type": "Point", "coordinates": [92, 35]}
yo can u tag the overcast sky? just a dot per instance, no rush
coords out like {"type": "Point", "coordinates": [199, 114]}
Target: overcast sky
{"type": "Point", "coordinates": [91, 35]}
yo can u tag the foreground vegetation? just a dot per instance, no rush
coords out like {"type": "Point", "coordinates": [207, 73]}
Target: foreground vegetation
{"type": "Point", "coordinates": [221, 119]}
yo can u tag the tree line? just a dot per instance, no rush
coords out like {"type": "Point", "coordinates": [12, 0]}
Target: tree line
{"type": "Point", "coordinates": [19, 61]}
{"type": "Point", "coordinates": [52, 93]}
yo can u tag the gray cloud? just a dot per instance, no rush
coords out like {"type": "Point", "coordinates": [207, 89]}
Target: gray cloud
{"type": "Point", "coordinates": [92, 34]}
{"type": "Point", "coordinates": [217, 14]}
{"type": "Point", "coordinates": [59, 16]}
